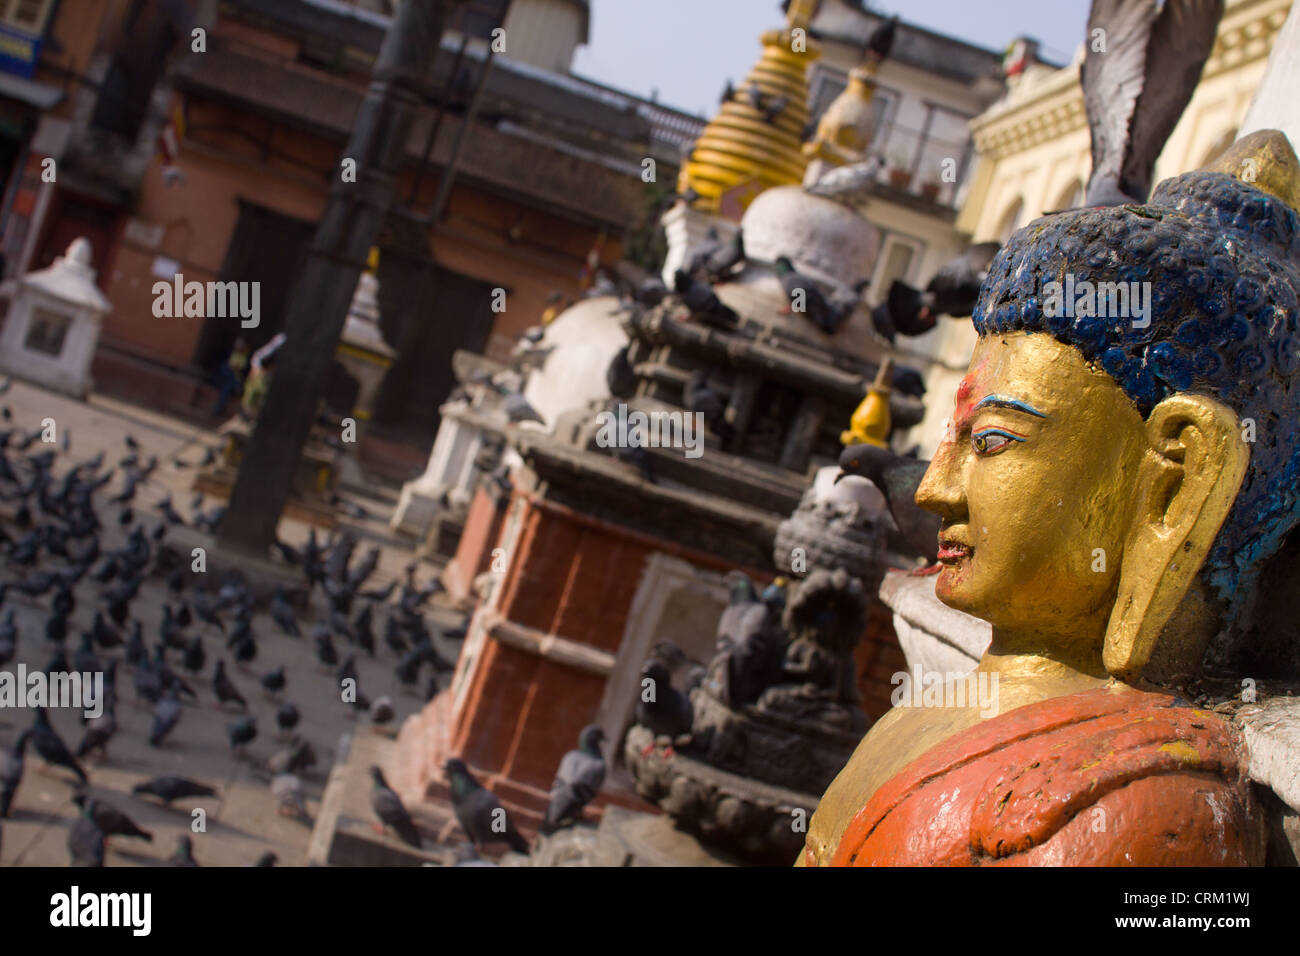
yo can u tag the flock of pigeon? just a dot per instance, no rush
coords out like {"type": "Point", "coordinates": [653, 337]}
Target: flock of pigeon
{"type": "Point", "coordinates": [58, 553]}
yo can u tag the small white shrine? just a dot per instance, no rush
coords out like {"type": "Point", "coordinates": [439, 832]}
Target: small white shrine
{"type": "Point", "coordinates": [52, 326]}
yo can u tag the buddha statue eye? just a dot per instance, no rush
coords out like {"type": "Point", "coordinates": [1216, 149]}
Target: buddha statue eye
{"type": "Point", "coordinates": [990, 441]}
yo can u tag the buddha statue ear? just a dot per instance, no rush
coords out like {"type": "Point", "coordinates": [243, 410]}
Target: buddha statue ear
{"type": "Point", "coordinates": [1192, 468]}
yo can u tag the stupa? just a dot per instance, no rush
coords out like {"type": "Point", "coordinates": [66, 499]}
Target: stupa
{"type": "Point", "coordinates": [606, 548]}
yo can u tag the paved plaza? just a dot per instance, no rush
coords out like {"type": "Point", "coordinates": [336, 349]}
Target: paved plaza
{"type": "Point", "coordinates": [241, 821]}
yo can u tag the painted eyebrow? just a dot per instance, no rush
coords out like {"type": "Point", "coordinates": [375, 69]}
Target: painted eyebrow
{"type": "Point", "coordinates": [1002, 401]}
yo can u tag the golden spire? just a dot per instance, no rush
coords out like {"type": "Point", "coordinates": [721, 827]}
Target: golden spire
{"type": "Point", "coordinates": [870, 422]}
{"type": "Point", "coordinates": [739, 146]}
{"type": "Point", "coordinates": [1265, 160]}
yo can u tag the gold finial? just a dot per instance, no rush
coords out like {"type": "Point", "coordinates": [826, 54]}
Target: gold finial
{"type": "Point", "coordinates": [800, 14]}
{"type": "Point", "coordinates": [845, 130]}
{"type": "Point", "coordinates": [1263, 159]}
{"type": "Point", "coordinates": [372, 261]}
{"type": "Point", "coordinates": [870, 422]}
{"type": "Point", "coordinates": [756, 137]}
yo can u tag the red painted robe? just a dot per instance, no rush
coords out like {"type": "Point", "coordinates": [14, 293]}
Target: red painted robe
{"type": "Point", "coordinates": [1109, 777]}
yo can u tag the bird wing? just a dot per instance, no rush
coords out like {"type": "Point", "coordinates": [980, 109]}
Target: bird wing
{"type": "Point", "coordinates": [1136, 88]}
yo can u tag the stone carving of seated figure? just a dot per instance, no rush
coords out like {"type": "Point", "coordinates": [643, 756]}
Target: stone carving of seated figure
{"type": "Point", "coordinates": [1119, 495]}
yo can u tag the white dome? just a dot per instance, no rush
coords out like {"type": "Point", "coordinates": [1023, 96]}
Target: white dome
{"type": "Point", "coordinates": [825, 240]}
{"type": "Point", "coordinates": [584, 338]}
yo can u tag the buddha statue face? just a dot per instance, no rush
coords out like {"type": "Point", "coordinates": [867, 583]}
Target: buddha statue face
{"type": "Point", "coordinates": [1051, 485]}
{"type": "Point", "coordinates": [1104, 480]}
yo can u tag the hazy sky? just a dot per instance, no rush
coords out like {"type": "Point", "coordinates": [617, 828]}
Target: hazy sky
{"type": "Point", "coordinates": [687, 49]}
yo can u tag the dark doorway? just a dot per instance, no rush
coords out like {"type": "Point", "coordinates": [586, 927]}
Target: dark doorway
{"type": "Point", "coordinates": [71, 216]}
{"type": "Point", "coordinates": [426, 314]}
{"type": "Point", "coordinates": [266, 247]}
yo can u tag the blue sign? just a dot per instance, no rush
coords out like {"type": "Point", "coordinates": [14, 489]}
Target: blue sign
{"type": "Point", "coordinates": [19, 51]}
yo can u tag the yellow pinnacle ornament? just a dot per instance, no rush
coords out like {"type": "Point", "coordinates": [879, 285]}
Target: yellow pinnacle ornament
{"type": "Point", "coordinates": [870, 422]}
{"type": "Point", "coordinates": [758, 133]}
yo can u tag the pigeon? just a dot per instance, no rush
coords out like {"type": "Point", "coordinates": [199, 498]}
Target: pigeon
{"type": "Point", "coordinates": [577, 780]}
{"type": "Point", "coordinates": [709, 246]}
{"type": "Point", "coordinates": [267, 859]}
{"type": "Point", "coordinates": [241, 733]}
{"type": "Point", "coordinates": [805, 296]}
{"type": "Point", "coordinates": [697, 396]}
{"type": "Point", "coordinates": [287, 717]}
{"type": "Point", "coordinates": [518, 409]}
{"type": "Point", "coordinates": [110, 820]}
{"type": "Point", "coordinates": [298, 758]}
{"type": "Point", "coordinates": [86, 840]}
{"type": "Point", "coordinates": [166, 715]}
{"type": "Point", "coordinates": [283, 615]}
{"type": "Point", "coordinates": [171, 788]}
{"type": "Point", "coordinates": [325, 652]}
{"type": "Point", "coordinates": [11, 772]}
{"type": "Point", "coordinates": [99, 731]}
{"type": "Point", "coordinates": [390, 811]}
{"type": "Point", "coordinates": [290, 796]}
{"type": "Point", "coordinates": [721, 264]}
{"type": "Point", "coordinates": [477, 810]}
{"type": "Point", "coordinates": [50, 746]}
{"type": "Point", "coordinates": [194, 657]}
{"type": "Point", "coordinates": [620, 378]}
{"type": "Point", "coordinates": [953, 290]}
{"type": "Point", "coordinates": [704, 303]}
{"type": "Point", "coordinates": [184, 855]}
{"type": "Point", "coordinates": [1137, 85]}
{"type": "Point", "coordinates": [664, 709]}
{"type": "Point", "coordinates": [382, 711]}
{"type": "Point", "coordinates": [773, 107]}
{"type": "Point", "coordinates": [897, 478]}
{"type": "Point", "coordinates": [273, 681]}
{"type": "Point", "coordinates": [881, 40]}
{"type": "Point", "coordinates": [849, 185]}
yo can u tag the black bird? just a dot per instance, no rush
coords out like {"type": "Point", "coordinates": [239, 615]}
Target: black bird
{"type": "Point", "coordinates": [1136, 87]}
{"type": "Point", "coordinates": [577, 781]}
{"type": "Point", "coordinates": [241, 732]}
{"type": "Point", "coordinates": [698, 396]}
{"type": "Point", "coordinates": [11, 772]}
{"type": "Point", "coordinates": [50, 746]}
{"type": "Point", "coordinates": [206, 609]}
{"type": "Point", "coordinates": [897, 478]}
{"type": "Point", "coordinates": [110, 820]}
{"type": "Point", "coordinates": [273, 681]}
{"type": "Point", "coordinates": [166, 715]}
{"type": "Point", "coordinates": [722, 263]}
{"type": "Point", "coordinates": [620, 379]}
{"type": "Point", "coordinates": [287, 717]}
{"type": "Point", "coordinates": [136, 653]}
{"type": "Point", "coordinates": [704, 303]}
{"type": "Point", "coordinates": [170, 514]}
{"type": "Point", "coordinates": [711, 244]}
{"type": "Point", "coordinates": [325, 652]}
{"type": "Point", "coordinates": [170, 788]}
{"type": "Point", "coordinates": [86, 841]}
{"type": "Point", "coordinates": [773, 107]}
{"type": "Point", "coordinates": [194, 657]}
{"type": "Point", "coordinates": [805, 295]}
{"type": "Point", "coordinates": [184, 855]}
{"type": "Point", "coordinates": [362, 631]}
{"type": "Point", "coordinates": [393, 636]}
{"type": "Point", "coordinates": [881, 40]}
{"type": "Point", "coordinates": [99, 731]}
{"type": "Point", "coordinates": [477, 810]}
{"type": "Point", "coordinates": [267, 859]}
{"type": "Point", "coordinates": [283, 615]}
{"type": "Point", "coordinates": [661, 707]}
{"type": "Point", "coordinates": [953, 290]}
{"type": "Point", "coordinates": [225, 689]}
{"type": "Point", "coordinates": [389, 809]}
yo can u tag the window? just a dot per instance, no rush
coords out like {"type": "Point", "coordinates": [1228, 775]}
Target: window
{"type": "Point", "coordinates": [898, 255]}
{"type": "Point", "coordinates": [46, 332]}
{"type": "Point", "coordinates": [27, 15]}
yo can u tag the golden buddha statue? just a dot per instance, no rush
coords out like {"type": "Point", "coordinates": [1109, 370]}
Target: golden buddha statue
{"type": "Point", "coordinates": [1116, 490]}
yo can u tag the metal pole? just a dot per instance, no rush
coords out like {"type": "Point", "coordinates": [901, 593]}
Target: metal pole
{"type": "Point", "coordinates": [319, 303]}
{"type": "Point", "coordinates": [449, 175]}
